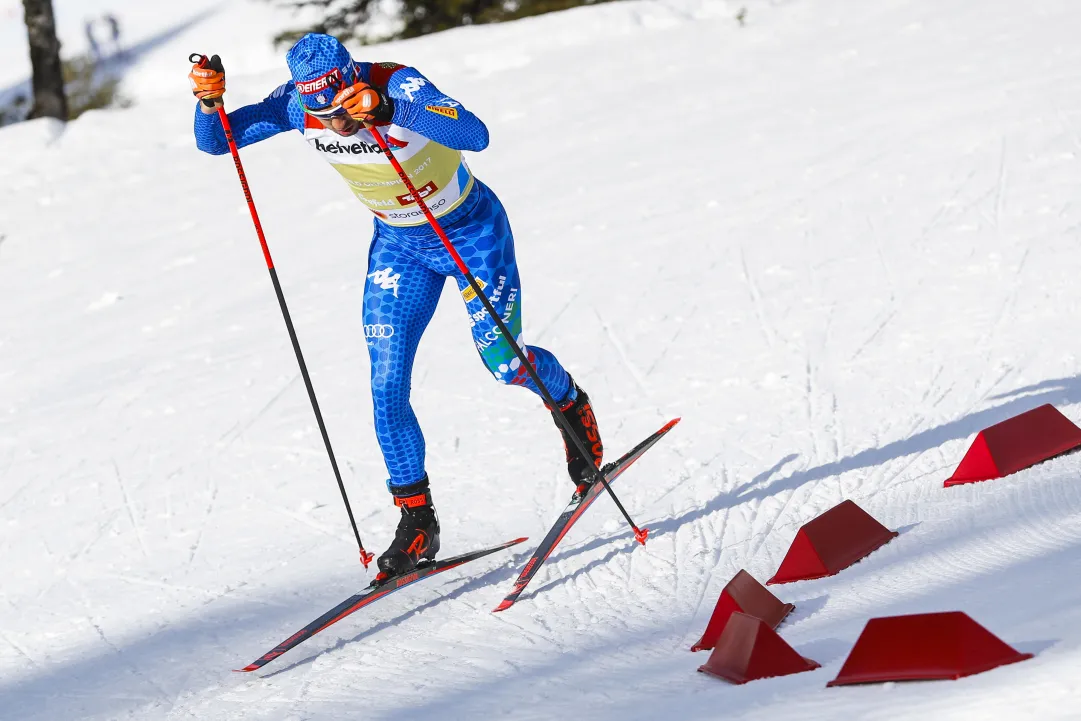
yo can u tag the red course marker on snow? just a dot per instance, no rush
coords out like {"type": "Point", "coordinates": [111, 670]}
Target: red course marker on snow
{"type": "Point", "coordinates": [749, 649]}
{"type": "Point", "coordinates": [1015, 444]}
{"type": "Point", "coordinates": [743, 594]}
{"type": "Point", "coordinates": [831, 543]}
{"type": "Point", "coordinates": [924, 647]}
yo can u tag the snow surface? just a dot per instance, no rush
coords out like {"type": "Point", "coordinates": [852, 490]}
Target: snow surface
{"type": "Point", "coordinates": [838, 242]}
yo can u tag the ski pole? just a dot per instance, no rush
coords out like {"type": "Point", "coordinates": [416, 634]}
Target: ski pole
{"type": "Point", "coordinates": [365, 556]}
{"type": "Point", "coordinates": [640, 534]}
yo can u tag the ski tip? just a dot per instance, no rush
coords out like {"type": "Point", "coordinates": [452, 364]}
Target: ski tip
{"type": "Point", "coordinates": [246, 669]}
{"type": "Point", "coordinates": [507, 603]}
{"type": "Point", "coordinates": [671, 423]}
{"type": "Point", "coordinates": [516, 541]}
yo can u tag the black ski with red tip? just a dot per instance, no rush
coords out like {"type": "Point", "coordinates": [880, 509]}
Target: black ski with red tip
{"type": "Point", "coordinates": [370, 595]}
{"type": "Point", "coordinates": [575, 509]}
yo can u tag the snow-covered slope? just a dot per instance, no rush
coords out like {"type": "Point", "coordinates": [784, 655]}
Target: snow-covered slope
{"type": "Point", "coordinates": [838, 242]}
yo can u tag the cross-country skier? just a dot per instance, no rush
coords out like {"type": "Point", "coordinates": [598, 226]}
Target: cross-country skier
{"type": "Point", "coordinates": [334, 101]}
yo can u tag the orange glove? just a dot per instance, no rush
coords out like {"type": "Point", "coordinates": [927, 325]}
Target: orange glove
{"type": "Point", "coordinates": [365, 103]}
{"type": "Point", "coordinates": [207, 78]}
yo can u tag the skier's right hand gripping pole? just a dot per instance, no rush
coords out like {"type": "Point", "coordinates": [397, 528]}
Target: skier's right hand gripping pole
{"type": "Point", "coordinates": [640, 534]}
{"type": "Point", "coordinates": [207, 79]}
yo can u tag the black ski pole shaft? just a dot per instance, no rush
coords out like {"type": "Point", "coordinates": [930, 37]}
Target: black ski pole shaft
{"type": "Point", "coordinates": [640, 534]}
{"type": "Point", "coordinates": [365, 556]}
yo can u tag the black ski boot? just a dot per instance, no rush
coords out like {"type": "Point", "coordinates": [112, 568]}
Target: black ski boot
{"type": "Point", "coordinates": [417, 537]}
{"type": "Point", "coordinates": [578, 411]}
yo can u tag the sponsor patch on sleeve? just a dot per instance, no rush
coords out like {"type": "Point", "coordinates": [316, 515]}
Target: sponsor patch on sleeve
{"type": "Point", "coordinates": [469, 294]}
{"type": "Point", "coordinates": [451, 113]}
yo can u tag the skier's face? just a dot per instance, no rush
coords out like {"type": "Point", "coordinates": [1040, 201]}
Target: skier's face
{"type": "Point", "coordinates": [341, 124]}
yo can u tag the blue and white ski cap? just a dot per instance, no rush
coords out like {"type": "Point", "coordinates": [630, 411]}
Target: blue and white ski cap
{"type": "Point", "coordinates": [321, 66]}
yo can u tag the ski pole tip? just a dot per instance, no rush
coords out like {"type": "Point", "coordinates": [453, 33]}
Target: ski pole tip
{"type": "Point", "coordinates": [640, 535]}
{"type": "Point", "coordinates": [366, 558]}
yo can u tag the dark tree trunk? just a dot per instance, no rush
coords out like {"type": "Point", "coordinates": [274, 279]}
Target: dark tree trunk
{"type": "Point", "coordinates": [48, 76]}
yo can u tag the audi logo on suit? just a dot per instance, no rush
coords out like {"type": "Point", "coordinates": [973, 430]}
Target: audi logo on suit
{"type": "Point", "coordinates": [378, 331]}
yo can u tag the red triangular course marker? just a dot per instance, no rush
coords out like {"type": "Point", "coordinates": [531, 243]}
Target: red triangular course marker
{"type": "Point", "coordinates": [831, 543]}
{"type": "Point", "coordinates": [924, 647]}
{"type": "Point", "coordinates": [1015, 444]}
{"type": "Point", "coordinates": [743, 594]}
{"type": "Point", "coordinates": [749, 649]}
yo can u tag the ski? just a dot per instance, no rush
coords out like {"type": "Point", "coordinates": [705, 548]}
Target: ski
{"type": "Point", "coordinates": [370, 595]}
{"type": "Point", "coordinates": [574, 510]}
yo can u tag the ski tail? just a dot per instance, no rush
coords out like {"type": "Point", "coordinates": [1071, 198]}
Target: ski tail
{"type": "Point", "coordinates": [368, 596]}
{"type": "Point", "coordinates": [574, 511]}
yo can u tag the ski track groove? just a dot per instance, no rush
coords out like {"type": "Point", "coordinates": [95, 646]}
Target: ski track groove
{"type": "Point", "coordinates": [696, 617]}
{"type": "Point", "coordinates": [931, 387]}
{"type": "Point", "coordinates": [299, 518]}
{"type": "Point", "coordinates": [176, 587]}
{"type": "Point", "coordinates": [679, 555]}
{"type": "Point", "coordinates": [666, 346]}
{"type": "Point", "coordinates": [878, 330]}
{"type": "Point", "coordinates": [131, 511]}
{"type": "Point", "coordinates": [946, 206]}
{"type": "Point", "coordinates": [559, 314]}
{"type": "Point", "coordinates": [882, 259]}
{"type": "Point", "coordinates": [206, 520]}
{"type": "Point", "coordinates": [99, 534]}
{"type": "Point", "coordinates": [1010, 302]}
{"type": "Point", "coordinates": [259, 414]}
{"type": "Point", "coordinates": [81, 593]}
{"type": "Point", "coordinates": [639, 379]}
{"type": "Point", "coordinates": [1000, 187]}
{"type": "Point", "coordinates": [756, 300]}
{"type": "Point", "coordinates": [19, 649]}
{"type": "Point", "coordinates": [809, 490]}
{"type": "Point", "coordinates": [809, 407]}
{"type": "Point", "coordinates": [771, 524]}
{"type": "Point", "coordinates": [18, 491]}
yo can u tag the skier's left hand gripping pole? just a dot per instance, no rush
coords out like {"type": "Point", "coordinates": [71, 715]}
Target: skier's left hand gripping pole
{"type": "Point", "coordinates": [640, 534]}
{"type": "Point", "coordinates": [205, 62]}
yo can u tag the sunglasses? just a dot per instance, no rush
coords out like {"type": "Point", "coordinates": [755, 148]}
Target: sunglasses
{"type": "Point", "coordinates": [326, 113]}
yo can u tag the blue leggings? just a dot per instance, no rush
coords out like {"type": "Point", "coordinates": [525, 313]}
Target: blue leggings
{"type": "Point", "coordinates": [407, 268]}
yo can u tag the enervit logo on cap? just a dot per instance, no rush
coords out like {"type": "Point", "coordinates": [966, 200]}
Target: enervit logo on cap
{"type": "Point", "coordinates": [328, 80]}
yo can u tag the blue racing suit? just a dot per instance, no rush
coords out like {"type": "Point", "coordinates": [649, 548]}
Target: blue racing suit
{"type": "Point", "coordinates": [407, 263]}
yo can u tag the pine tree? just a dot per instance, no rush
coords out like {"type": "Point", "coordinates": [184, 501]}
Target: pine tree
{"type": "Point", "coordinates": [48, 76]}
{"type": "Point", "coordinates": [345, 18]}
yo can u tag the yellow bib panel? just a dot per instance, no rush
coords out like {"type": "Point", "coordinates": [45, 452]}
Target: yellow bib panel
{"type": "Point", "coordinates": [439, 173]}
